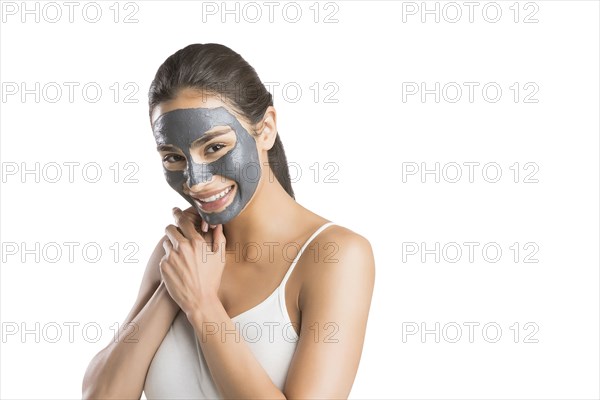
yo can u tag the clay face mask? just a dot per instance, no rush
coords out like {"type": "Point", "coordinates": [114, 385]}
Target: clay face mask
{"type": "Point", "coordinates": [180, 128]}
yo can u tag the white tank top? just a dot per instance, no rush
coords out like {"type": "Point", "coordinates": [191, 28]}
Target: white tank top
{"type": "Point", "coordinates": [179, 370]}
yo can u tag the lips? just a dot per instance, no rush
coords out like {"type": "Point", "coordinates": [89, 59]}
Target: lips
{"type": "Point", "coordinates": [206, 195]}
{"type": "Point", "coordinates": [214, 203]}
{"type": "Point", "coordinates": [216, 196]}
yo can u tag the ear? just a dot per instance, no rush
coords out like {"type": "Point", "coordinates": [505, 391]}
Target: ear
{"type": "Point", "coordinates": [267, 129]}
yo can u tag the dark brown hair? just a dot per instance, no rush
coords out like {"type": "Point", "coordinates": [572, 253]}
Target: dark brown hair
{"type": "Point", "coordinates": [213, 68]}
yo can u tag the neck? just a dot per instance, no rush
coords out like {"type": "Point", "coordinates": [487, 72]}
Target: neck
{"type": "Point", "coordinates": [261, 220]}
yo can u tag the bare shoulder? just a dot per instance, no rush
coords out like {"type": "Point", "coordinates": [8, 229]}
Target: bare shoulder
{"type": "Point", "coordinates": [345, 237]}
{"type": "Point", "coordinates": [346, 245]}
{"type": "Point", "coordinates": [342, 260]}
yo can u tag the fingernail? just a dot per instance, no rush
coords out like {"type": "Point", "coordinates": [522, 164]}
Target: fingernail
{"type": "Point", "coordinates": [204, 226]}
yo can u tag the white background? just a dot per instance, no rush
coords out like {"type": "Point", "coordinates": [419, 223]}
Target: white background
{"type": "Point", "coordinates": [370, 134]}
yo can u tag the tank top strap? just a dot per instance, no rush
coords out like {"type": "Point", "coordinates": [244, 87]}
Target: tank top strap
{"type": "Point", "coordinates": [310, 239]}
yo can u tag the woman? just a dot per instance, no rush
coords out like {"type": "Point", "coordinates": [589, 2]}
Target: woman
{"type": "Point", "coordinates": [249, 294]}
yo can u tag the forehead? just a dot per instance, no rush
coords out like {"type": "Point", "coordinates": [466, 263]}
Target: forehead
{"type": "Point", "coordinates": [183, 126]}
{"type": "Point", "coordinates": [189, 98]}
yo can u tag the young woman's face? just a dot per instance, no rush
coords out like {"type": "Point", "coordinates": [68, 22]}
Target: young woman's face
{"type": "Point", "coordinates": [208, 155]}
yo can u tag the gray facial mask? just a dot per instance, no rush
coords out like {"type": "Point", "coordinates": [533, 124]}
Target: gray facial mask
{"type": "Point", "coordinates": [181, 127]}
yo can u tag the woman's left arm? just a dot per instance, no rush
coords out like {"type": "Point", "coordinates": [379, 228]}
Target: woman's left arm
{"type": "Point", "coordinates": [334, 302]}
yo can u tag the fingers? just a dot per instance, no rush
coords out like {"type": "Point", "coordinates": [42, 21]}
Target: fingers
{"type": "Point", "coordinates": [197, 220]}
{"type": "Point", "coordinates": [174, 235]}
{"type": "Point", "coordinates": [194, 216]}
{"type": "Point", "coordinates": [192, 212]}
{"type": "Point", "coordinates": [205, 226]}
{"type": "Point", "coordinates": [163, 262]}
{"type": "Point", "coordinates": [185, 223]}
{"type": "Point", "coordinates": [218, 239]}
{"type": "Point", "coordinates": [167, 246]}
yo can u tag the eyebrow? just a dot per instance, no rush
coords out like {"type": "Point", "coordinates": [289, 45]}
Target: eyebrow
{"type": "Point", "coordinates": [211, 135]}
{"type": "Point", "coordinates": [165, 147]}
{"type": "Point", "coordinates": [200, 141]}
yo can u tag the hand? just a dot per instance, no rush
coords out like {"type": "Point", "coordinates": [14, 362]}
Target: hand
{"type": "Point", "coordinates": [201, 224]}
{"type": "Point", "coordinates": [193, 262]}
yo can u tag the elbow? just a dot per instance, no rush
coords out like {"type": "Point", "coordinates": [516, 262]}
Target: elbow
{"type": "Point", "coordinates": [90, 391]}
{"type": "Point", "coordinates": [87, 393]}
{"type": "Point", "coordinates": [103, 380]}
{"type": "Point", "coordinates": [89, 387]}
{"type": "Point", "coordinates": [100, 388]}
{"type": "Point", "coordinates": [94, 385]}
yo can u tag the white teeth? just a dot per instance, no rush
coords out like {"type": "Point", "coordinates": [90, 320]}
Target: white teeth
{"type": "Point", "coordinates": [217, 196]}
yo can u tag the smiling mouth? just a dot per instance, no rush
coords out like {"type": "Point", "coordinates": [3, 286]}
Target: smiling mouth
{"type": "Point", "coordinates": [216, 201]}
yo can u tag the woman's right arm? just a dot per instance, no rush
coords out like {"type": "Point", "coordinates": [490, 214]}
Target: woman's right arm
{"type": "Point", "coordinates": [119, 370]}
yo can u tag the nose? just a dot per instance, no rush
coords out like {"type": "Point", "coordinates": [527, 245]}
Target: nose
{"type": "Point", "coordinates": [198, 173]}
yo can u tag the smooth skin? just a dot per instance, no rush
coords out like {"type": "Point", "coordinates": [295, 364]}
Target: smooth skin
{"type": "Point", "coordinates": [202, 272]}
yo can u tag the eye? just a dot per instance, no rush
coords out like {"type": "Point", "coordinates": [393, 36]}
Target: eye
{"type": "Point", "coordinates": [173, 158]}
{"type": "Point", "coordinates": [218, 147]}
